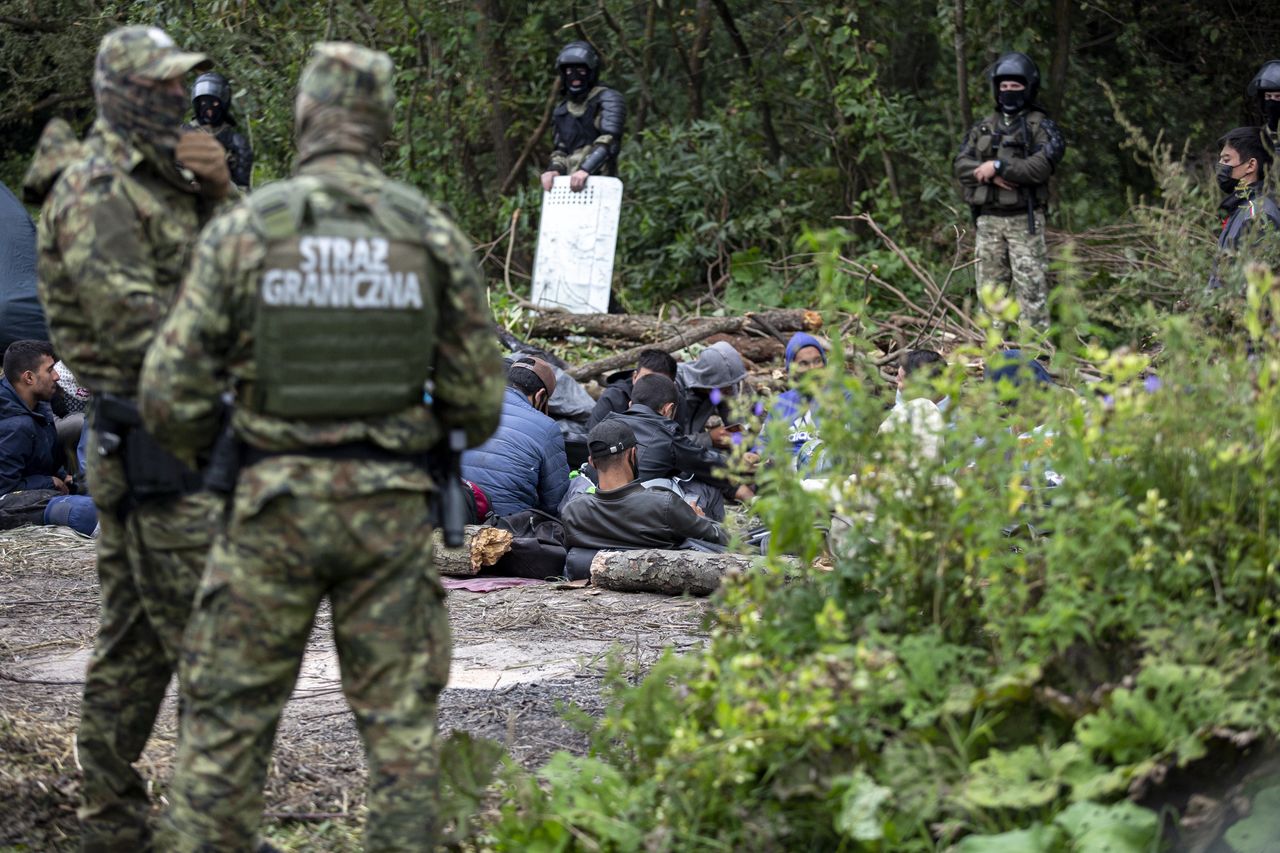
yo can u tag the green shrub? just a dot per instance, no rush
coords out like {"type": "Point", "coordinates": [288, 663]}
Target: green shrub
{"type": "Point", "coordinates": [990, 662]}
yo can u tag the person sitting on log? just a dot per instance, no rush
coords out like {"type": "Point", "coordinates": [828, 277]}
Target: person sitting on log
{"type": "Point", "coordinates": [669, 456]}
{"type": "Point", "coordinates": [919, 409]}
{"type": "Point", "coordinates": [620, 513]}
{"type": "Point", "coordinates": [706, 386]}
{"type": "Point", "coordinates": [522, 465]}
{"type": "Point", "coordinates": [617, 393]}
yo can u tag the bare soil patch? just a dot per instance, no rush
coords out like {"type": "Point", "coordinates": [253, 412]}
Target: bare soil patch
{"type": "Point", "coordinates": [520, 657]}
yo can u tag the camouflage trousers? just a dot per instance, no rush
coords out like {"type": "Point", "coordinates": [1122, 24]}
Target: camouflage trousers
{"type": "Point", "coordinates": [1018, 262]}
{"type": "Point", "coordinates": [149, 568]}
{"type": "Point", "coordinates": [267, 575]}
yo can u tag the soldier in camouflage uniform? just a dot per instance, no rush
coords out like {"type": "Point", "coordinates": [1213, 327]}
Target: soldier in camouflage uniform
{"type": "Point", "coordinates": [114, 240]}
{"type": "Point", "coordinates": [337, 304]}
{"type": "Point", "coordinates": [1004, 166]}
{"type": "Point", "coordinates": [587, 124]}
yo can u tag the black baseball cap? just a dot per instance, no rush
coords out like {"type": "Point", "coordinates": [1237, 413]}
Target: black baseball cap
{"type": "Point", "coordinates": [610, 437]}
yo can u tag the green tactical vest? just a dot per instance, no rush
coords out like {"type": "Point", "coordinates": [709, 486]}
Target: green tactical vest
{"type": "Point", "coordinates": [995, 142]}
{"type": "Point", "coordinates": [344, 305]}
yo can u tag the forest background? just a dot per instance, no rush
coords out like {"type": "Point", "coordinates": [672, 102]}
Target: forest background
{"type": "Point", "coordinates": [749, 123]}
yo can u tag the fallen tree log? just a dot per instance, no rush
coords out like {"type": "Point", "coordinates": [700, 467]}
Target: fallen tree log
{"type": "Point", "coordinates": [668, 572]}
{"type": "Point", "coordinates": [752, 348]}
{"type": "Point", "coordinates": [481, 546]}
{"type": "Point", "coordinates": [644, 327]}
{"type": "Point", "coordinates": [692, 333]}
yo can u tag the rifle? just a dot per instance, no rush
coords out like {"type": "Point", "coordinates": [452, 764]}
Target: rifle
{"type": "Point", "coordinates": [451, 506]}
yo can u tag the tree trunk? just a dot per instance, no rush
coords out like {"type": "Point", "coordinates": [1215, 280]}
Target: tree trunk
{"type": "Point", "coordinates": [753, 73]}
{"type": "Point", "coordinates": [667, 572]}
{"type": "Point", "coordinates": [962, 68]}
{"type": "Point", "coordinates": [490, 16]}
{"type": "Point", "coordinates": [641, 327]}
{"type": "Point", "coordinates": [1061, 56]}
{"type": "Point", "coordinates": [481, 547]}
{"type": "Point", "coordinates": [753, 349]}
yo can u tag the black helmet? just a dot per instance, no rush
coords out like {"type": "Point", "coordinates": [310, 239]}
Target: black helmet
{"type": "Point", "coordinates": [1266, 80]}
{"type": "Point", "coordinates": [212, 85]}
{"type": "Point", "coordinates": [578, 53]}
{"type": "Point", "coordinates": [1015, 66]}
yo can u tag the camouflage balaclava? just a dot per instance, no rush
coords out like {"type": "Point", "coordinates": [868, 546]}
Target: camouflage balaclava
{"type": "Point", "coordinates": [346, 98]}
{"type": "Point", "coordinates": [130, 60]}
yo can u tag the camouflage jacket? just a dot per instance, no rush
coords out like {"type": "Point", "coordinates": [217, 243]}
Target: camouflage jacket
{"type": "Point", "coordinates": [1028, 146]}
{"type": "Point", "coordinates": [207, 347]}
{"type": "Point", "coordinates": [239, 153]}
{"type": "Point", "coordinates": [115, 237]}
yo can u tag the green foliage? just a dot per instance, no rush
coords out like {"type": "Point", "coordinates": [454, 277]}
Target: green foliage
{"type": "Point", "coordinates": [732, 147]}
{"type": "Point", "coordinates": [991, 662]}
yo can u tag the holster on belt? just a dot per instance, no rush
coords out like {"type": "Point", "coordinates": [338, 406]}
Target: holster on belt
{"type": "Point", "coordinates": [151, 471]}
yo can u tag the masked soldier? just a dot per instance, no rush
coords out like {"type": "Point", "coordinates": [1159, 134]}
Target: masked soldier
{"type": "Point", "coordinates": [114, 239]}
{"type": "Point", "coordinates": [1004, 166]}
{"type": "Point", "coordinates": [587, 123]}
{"type": "Point", "coordinates": [1265, 89]}
{"type": "Point", "coordinates": [338, 304]}
{"type": "Point", "coordinates": [211, 102]}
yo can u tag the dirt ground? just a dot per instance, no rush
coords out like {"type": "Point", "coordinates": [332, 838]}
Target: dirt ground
{"type": "Point", "coordinates": [519, 656]}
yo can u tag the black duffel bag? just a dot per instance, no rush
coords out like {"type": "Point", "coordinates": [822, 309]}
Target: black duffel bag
{"type": "Point", "coordinates": [537, 548]}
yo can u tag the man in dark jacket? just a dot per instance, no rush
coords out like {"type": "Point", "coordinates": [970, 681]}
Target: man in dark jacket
{"type": "Point", "coordinates": [617, 394]}
{"type": "Point", "coordinates": [587, 123]}
{"type": "Point", "coordinates": [705, 387]}
{"type": "Point", "coordinates": [211, 102]}
{"type": "Point", "coordinates": [621, 513]}
{"type": "Point", "coordinates": [1004, 166]}
{"type": "Point", "coordinates": [522, 465]}
{"type": "Point", "coordinates": [1250, 214]}
{"type": "Point", "coordinates": [31, 457]}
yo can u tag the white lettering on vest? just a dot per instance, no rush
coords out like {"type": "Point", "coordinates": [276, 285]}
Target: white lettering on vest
{"type": "Point", "coordinates": [339, 272]}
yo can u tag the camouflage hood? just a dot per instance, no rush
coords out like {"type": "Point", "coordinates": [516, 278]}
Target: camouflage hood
{"type": "Point", "coordinates": [130, 61]}
{"type": "Point", "coordinates": [58, 148]}
{"type": "Point", "coordinates": [346, 99]}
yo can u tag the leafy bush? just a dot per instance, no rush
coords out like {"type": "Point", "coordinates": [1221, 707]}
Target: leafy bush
{"type": "Point", "coordinates": [990, 662]}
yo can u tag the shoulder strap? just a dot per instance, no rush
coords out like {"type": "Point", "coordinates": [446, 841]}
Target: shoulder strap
{"type": "Point", "coordinates": [278, 208]}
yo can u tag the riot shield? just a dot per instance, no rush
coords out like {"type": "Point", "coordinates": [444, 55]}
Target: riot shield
{"type": "Point", "coordinates": [577, 237]}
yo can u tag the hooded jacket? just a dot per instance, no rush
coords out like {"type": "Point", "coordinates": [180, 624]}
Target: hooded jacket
{"type": "Point", "coordinates": [30, 453]}
{"type": "Point", "coordinates": [522, 465]}
{"type": "Point", "coordinates": [719, 366]}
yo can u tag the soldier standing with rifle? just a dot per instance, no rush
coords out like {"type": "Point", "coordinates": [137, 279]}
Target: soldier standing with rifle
{"type": "Point", "coordinates": [1004, 166]}
{"type": "Point", "coordinates": [114, 239]}
{"type": "Point", "coordinates": [347, 313]}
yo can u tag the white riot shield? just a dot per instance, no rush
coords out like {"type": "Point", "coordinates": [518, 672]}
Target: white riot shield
{"type": "Point", "coordinates": [577, 236]}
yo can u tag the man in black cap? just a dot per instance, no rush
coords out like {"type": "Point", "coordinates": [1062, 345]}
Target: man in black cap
{"type": "Point", "coordinates": [622, 514]}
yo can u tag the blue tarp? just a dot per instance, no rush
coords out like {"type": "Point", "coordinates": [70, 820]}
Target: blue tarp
{"type": "Point", "coordinates": [21, 315]}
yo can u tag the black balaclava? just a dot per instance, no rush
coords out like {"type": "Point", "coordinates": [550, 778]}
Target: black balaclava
{"type": "Point", "coordinates": [1012, 103]}
{"type": "Point", "coordinates": [210, 110]}
{"type": "Point", "coordinates": [576, 80]}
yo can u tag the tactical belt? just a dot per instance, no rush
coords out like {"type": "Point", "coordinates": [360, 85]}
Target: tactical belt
{"type": "Point", "coordinates": [1008, 211]}
{"type": "Point", "coordinates": [362, 451]}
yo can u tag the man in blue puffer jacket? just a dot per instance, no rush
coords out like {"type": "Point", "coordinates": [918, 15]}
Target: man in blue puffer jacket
{"type": "Point", "coordinates": [31, 457]}
{"type": "Point", "coordinates": [522, 465]}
